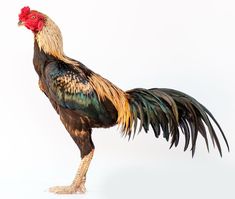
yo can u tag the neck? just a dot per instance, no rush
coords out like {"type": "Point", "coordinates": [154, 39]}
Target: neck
{"type": "Point", "coordinates": [50, 40]}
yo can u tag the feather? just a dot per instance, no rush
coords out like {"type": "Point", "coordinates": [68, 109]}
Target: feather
{"type": "Point", "coordinates": [173, 111]}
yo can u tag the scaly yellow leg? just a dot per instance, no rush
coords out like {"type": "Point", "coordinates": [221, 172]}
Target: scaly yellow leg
{"type": "Point", "coordinates": [78, 184]}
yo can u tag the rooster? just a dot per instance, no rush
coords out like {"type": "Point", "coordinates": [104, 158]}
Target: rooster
{"type": "Point", "coordinates": [85, 100]}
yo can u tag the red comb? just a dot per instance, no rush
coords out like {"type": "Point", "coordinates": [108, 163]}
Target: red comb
{"type": "Point", "coordinates": [24, 13]}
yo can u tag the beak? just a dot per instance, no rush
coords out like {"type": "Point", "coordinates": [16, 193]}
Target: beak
{"type": "Point", "coordinates": [20, 23]}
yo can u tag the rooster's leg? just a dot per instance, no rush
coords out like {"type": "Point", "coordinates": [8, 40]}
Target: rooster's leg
{"type": "Point", "coordinates": [78, 185]}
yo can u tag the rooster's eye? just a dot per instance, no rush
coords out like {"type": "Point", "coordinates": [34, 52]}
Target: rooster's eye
{"type": "Point", "coordinates": [33, 17]}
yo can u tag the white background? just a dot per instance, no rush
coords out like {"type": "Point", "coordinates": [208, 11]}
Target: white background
{"type": "Point", "coordinates": [184, 44]}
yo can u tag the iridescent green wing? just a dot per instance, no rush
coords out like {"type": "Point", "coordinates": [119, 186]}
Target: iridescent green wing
{"type": "Point", "coordinates": [70, 89]}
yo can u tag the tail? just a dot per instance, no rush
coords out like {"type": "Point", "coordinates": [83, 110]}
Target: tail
{"type": "Point", "coordinates": [170, 110]}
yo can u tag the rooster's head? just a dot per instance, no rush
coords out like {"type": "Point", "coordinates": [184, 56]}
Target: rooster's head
{"type": "Point", "coordinates": [31, 19]}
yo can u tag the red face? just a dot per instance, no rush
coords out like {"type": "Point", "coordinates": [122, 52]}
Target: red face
{"type": "Point", "coordinates": [31, 19]}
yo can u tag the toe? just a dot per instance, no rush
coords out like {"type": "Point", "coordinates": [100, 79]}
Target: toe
{"type": "Point", "coordinates": [63, 190]}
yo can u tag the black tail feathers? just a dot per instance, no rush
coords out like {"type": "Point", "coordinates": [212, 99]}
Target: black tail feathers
{"type": "Point", "coordinates": [170, 110]}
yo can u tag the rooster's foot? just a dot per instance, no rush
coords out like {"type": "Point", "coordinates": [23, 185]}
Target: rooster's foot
{"type": "Point", "coordinates": [68, 189]}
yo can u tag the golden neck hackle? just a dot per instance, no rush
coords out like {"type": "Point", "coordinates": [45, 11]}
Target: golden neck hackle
{"type": "Point", "coordinates": [50, 40]}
